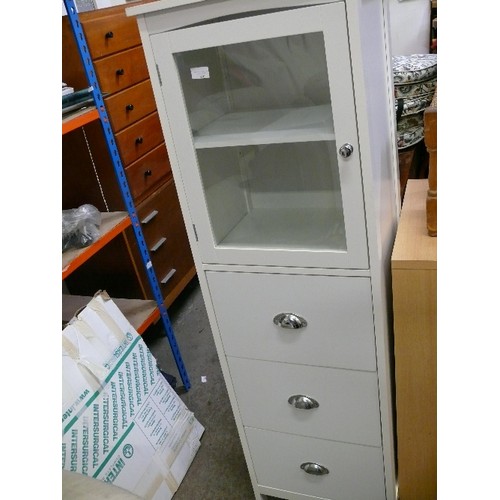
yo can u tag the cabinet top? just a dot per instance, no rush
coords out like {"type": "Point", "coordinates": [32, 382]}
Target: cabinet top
{"type": "Point", "coordinates": [255, 5]}
{"type": "Point", "coordinates": [159, 5]}
{"type": "Point", "coordinates": [414, 248]}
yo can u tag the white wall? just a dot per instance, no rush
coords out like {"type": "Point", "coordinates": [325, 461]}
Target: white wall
{"type": "Point", "coordinates": [100, 4]}
{"type": "Point", "coordinates": [410, 26]}
{"type": "Point", "coordinates": [108, 3]}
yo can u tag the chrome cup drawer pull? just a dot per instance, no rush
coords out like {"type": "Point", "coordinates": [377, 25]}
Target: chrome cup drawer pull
{"type": "Point", "coordinates": [314, 469]}
{"type": "Point", "coordinates": [302, 402]}
{"type": "Point", "coordinates": [289, 320]}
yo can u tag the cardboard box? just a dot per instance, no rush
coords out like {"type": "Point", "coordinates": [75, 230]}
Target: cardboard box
{"type": "Point", "coordinates": [122, 422]}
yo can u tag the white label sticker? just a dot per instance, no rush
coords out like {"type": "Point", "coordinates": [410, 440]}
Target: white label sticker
{"type": "Point", "coordinates": [200, 73]}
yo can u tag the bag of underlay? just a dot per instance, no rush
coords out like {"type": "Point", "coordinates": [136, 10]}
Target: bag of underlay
{"type": "Point", "coordinates": [415, 81]}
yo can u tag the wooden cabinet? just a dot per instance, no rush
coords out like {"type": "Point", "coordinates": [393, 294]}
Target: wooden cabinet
{"type": "Point", "coordinates": [414, 283]}
{"type": "Point", "coordinates": [88, 177]}
{"type": "Point", "coordinates": [281, 119]}
{"type": "Point", "coordinates": [164, 230]}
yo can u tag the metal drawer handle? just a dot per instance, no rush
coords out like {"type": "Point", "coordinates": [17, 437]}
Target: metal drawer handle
{"type": "Point", "coordinates": [158, 244]}
{"type": "Point", "coordinates": [314, 469]}
{"type": "Point", "coordinates": [149, 217]}
{"type": "Point", "coordinates": [302, 402]}
{"type": "Point", "coordinates": [139, 140]}
{"type": "Point", "coordinates": [289, 320]}
{"type": "Point", "coordinates": [148, 173]}
{"type": "Point", "coordinates": [129, 107]}
{"type": "Point", "coordinates": [109, 34]}
{"type": "Point", "coordinates": [168, 276]}
{"type": "Point", "coordinates": [120, 71]}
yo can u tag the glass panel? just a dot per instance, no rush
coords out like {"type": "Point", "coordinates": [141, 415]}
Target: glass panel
{"type": "Point", "coordinates": [261, 117]}
{"type": "Point", "coordinates": [274, 196]}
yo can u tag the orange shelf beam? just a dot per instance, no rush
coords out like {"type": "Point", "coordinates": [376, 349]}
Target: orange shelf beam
{"type": "Point", "coordinates": [79, 119]}
{"type": "Point", "coordinates": [150, 320]}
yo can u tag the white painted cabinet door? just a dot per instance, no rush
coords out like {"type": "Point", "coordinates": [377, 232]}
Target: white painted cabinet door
{"type": "Point", "coordinates": [262, 116]}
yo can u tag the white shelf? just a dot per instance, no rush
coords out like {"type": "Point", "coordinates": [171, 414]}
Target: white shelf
{"type": "Point", "coordinates": [268, 127]}
{"type": "Point", "coordinates": [290, 228]}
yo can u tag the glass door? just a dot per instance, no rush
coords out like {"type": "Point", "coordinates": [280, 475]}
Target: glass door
{"type": "Point", "coordinates": [261, 111]}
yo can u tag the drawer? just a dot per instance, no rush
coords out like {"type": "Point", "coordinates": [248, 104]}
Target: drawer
{"type": "Point", "coordinates": [130, 105]}
{"type": "Point", "coordinates": [354, 472]}
{"type": "Point", "coordinates": [166, 237]}
{"type": "Point", "coordinates": [144, 174]}
{"type": "Point", "coordinates": [121, 70]}
{"type": "Point", "coordinates": [338, 311]}
{"type": "Point", "coordinates": [139, 138]}
{"type": "Point", "coordinates": [348, 406]}
{"type": "Point", "coordinates": [109, 34]}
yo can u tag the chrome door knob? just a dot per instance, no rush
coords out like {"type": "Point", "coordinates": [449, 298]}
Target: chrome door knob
{"type": "Point", "coordinates": [346, 150]}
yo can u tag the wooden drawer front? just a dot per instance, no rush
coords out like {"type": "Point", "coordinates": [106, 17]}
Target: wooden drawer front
{"type": "Point", "coordinates": [338, 311]}
{"type": "Point", "coordinates": [165, 235]}
{"type": "Point", "coordinates": [139, 138]}
{"type": "Point", "coordinates": [119, 71]}
{"type": "Point", "coordinates": [130, 105]}
{"type": "Point", "coordinates": [107, 35]}
{"type": "Point", "coordinates": [144, 174]}
{"type": "Point", "coordinates": [348, 400]}
{"type": "Point", "coordinates": [355, 472]}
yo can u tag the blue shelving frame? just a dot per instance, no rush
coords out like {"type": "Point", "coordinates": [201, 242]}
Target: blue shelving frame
{"type": "Point", "coordinates": [123, 184]}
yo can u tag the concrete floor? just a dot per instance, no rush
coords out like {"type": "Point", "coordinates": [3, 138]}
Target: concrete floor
{"type": "Point", "coordinates": [218, 471]}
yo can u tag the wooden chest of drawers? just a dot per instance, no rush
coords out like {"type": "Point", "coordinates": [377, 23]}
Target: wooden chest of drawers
{"type": "Point", "coordinates": [121, 70]}
{"type": "Point", "coordinates": [164, 231]}
{"type": "Point", "coordinates": [130, 105]}
{"type": "Point", "coordinates": [108, 31]}
{"type": "Point", "coordinates": [88, 174]}
{"type": "Point", "coordinates": [140, 137]}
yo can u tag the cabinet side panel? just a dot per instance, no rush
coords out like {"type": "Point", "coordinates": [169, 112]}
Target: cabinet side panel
{"type": "Point", "coordinates": [372, 76]}
{"type": "Point", "coordinates": [375, 111]}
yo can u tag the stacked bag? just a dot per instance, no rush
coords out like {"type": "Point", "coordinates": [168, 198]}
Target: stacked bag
{"type": "Point", "coordinates": [415, 80]}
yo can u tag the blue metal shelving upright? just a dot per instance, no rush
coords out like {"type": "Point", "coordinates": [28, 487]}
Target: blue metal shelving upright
{"type": "Point", "coordinates": [123, 184]}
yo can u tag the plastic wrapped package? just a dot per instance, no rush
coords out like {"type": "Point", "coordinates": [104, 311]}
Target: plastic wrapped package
{"type": "Point", "coordinates": [80, 226]}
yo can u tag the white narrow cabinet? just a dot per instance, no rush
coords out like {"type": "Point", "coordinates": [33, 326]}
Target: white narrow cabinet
{"type": "Point", "coordinates": [279, 120]}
